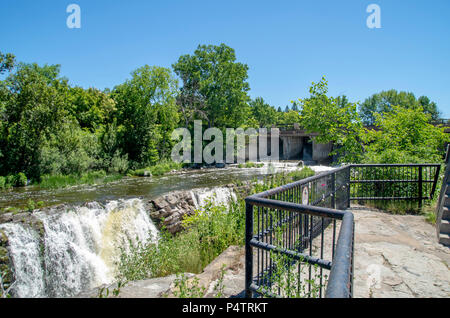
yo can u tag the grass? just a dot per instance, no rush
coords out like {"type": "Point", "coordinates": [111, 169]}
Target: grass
{"type": "Point", "coordinates": [157, 170]}
{"type": "Point", "coordinates": [90, 178]}
{"type": "Point", "coordinates": [250, 165]}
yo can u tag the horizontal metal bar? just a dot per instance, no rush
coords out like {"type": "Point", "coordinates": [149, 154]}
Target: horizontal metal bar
{"type": "Point", "coordinates": [295, 207]}
{"type": "Point", "coordinates": [396, 165]}
{"type": "Point", "coordinates": [388, 198]}
{"type": "Point", "coordinates": [263, 291]}
{"type": "Point", "coordinates": [392, 181]}
{"type": "Point", "coordinates": [292, 254]}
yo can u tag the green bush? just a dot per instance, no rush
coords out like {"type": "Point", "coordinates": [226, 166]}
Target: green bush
{"type": "Point", "coordinates": [158, 169]}
{"type": "Point", "coordinates": [250, 165]}
{"type": "Point", "coordinates": [2, 183]}
{"type": "Point", "coordinates": [301, 174]}
{"type": "Point", "coordinates": [20, 180]}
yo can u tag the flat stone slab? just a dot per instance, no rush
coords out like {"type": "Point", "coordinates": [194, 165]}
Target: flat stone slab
{"type": "Point", "coordinates": [398, 256]}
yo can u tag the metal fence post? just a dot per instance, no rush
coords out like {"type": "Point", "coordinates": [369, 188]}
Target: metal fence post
{"type": "Point", "coordinates": [333, 191]}
{"type": "Point", "coordinates": [420, 187]}
{"type": "Point", "coordinates": [248, 249]}
{"type": "Point", "coordinates": [348, 186]}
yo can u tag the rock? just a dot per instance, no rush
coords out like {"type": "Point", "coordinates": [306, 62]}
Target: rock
{"type": "Point", "coordinates": [148, 288]}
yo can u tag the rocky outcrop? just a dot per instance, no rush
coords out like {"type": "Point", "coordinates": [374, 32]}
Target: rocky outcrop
{"type": "Point", "coordinates": [5, 268]}
{"type": "Point", "coordinates": [170, 209]}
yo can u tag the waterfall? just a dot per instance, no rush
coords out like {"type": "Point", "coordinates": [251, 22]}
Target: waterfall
{"type": "Point", "coordinates": [219, 195]}
{"type": "Point", "coordinates": [81, 247]}
{"type": "Point", "coordinates": [24, 252]}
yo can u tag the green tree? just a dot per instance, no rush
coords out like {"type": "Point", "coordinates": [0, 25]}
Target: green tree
{"type": "Point", "coordinates": [405, 136]}
{"type": "Point", "coordinates": [7, 62]}
{"type": "Point", "coordinates": [334, 122]}
{"type": "Point", "coordinates": [34, 104]}
{"type": "Point", "coordinates": [91, 107]}
{"type": "Point", "coordinates": [384, 101]}
{"type": "Point", "coordinates": [264, 114]}
{"type": "Point", "coordinates": [146, 114]}
{"type": "Point", "coordinates": [214, 86]}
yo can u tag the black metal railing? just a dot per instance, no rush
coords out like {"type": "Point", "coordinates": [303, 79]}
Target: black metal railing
{"type": "Point", "coordinates": [405, 182]}
{"type": "Point", "coordinates": [300, 238]}
{"type": "Point", "coordinates": [287, 244]}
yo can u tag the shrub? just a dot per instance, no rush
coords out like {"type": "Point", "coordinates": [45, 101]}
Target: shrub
{"type": "Point", "coordinates": [20, 180]}
{"type": "Point", "coordinates": [301, 174]}
{"type": "Point", "coordinates": [2, 182]}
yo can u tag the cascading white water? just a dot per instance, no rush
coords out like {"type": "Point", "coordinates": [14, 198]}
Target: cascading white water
{"type": "Point", "coordinates": [24, 251]}
{"type": "Point", "coordinates": [219, 195]}
{"type": "Point", "coordinates": [81, 247]}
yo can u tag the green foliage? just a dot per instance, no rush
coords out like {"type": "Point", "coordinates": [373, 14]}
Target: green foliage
{"type": "Point", "coordinates": [214, 87]}
{"type": "Point", "coordinates": [334, 121]}
{"type": "Point", "coordinates": [250, 165]}
{"type": "Point", "coordinates": [301, 174]}
{"type": "Point", "coordinates": [384, 102]}
{"type": "Point", "coordinates": [264, 114]}
{"type": "Point", "coordinates": [158, 169]}
{"type": "Point", "coordinates": [62, 181]}
{"type": "Point", "coordinates": [146, 114]}
{"type": "Point", "coordinates": [7, 62]}
{"type": "Point", "coordinates": [20, 180]}
{"type": "Point", "coordinates": [405, 136]}
{"type": "Point", "coordinates": [188, 289]}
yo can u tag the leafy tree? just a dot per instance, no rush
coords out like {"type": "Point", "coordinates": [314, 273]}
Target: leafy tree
{"type": "Point", "coordinates": [405, 136]}
{"type": "Point", "coordinates": [146, 114]}
{"type": "Point", "coordinates": [279, 109]}
{"type": "Point", "coordinates": [334, 122]}
{"type": "Point", "coordinates": [384, 101]}
{"type": "Point", "coordinates": [34, 105]}
{"type": "Point", "coordinates": [290, 117]}
{"type": "Point", "coordinates": [90, 107]}
{"type": "Point", "coordinates": [7, 62]}
{"type": "Point", "coordinates": [214, 86]}
{"type": "Point", "coordinates": [264, 114]}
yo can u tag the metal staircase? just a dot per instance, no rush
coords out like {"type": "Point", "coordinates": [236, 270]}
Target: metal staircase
{"type": "Point", "coordinates": [443, 206]}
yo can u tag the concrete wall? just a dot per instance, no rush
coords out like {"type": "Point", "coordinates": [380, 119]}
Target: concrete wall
{"type": "Point", "coordinates": [321, 152]}
{"type": "Point", "coordinates": [292, 148]}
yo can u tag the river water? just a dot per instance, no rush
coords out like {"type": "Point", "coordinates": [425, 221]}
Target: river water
{"type": "Point", "coordinates": [83, 240]}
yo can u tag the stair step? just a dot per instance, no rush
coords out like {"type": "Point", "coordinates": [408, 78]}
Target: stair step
{"type": "Point", "coordinates": [444, 227]}
{"type": "Point", "coordinates": [447, 200]}
{"type": "Point", "coordinates": [444, 239]}
{"type": "Point", "coordinates": [446, 214]}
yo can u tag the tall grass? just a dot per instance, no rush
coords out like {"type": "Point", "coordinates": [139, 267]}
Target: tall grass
{"type": "Point", "coordinates": [90, 178]}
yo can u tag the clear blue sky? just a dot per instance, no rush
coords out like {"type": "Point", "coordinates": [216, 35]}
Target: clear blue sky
{"type": "Point", "coordinates": [286, 44]}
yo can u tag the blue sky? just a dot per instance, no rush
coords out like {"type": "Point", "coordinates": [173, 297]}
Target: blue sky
{"type": "Point", "coordinates": [286, 44]}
